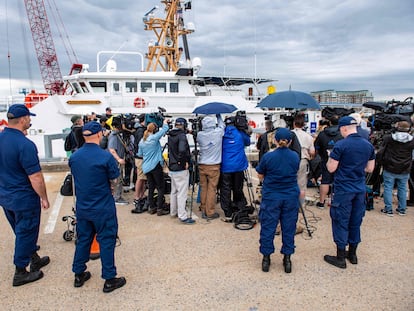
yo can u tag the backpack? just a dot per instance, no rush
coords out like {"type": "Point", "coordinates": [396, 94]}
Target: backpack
{"type": "Point", "coordinates": [67, 188]}
{"type": "Point", "coordinates": [70, 142]}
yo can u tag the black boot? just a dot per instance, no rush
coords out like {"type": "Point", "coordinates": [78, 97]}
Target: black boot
{"type": "Point", "coordinates": [81, 278]}
{"type": "Point", "coordinates": [338, 260]}
{"type": "Point", "coordinates": [351, 254]}
{"type": "Point", "coordinates": [38, 262]}
{"type": "Point", "coordinates": [22, 276]}
{"type": "Point", "coordinates": [266, 263]}
{"type": "Point", "coordinates": [287, 264]}
{"type": "Point", "coordinates": [112, 284]}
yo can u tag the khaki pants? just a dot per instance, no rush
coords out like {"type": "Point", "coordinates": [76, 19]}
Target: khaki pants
{"type": "Point", "coordinates": [209, 179]}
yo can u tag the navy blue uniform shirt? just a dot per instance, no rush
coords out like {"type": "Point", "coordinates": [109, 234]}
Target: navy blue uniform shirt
{"type": "Point", "coordinates": [280, 168]}
{"type": "Point", "coordinates": [92, 169]}
{"type": "Point", "coordinates": [353, 154]}
{"type": "Point", "coordinates": [18, 160]}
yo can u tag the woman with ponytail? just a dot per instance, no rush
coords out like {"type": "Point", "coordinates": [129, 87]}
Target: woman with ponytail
{"type": "Point", "coordinates": [152, 165]}
{"type": "Point", "coordinates": [280, 198]}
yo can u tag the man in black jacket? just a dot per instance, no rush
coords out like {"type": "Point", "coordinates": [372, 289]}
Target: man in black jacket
{"type": "Point", "coordinates": [324, 143]}
{"type": "Point", "coordinates": [179, 161]}
{"type": "Point", "coordinates": [397, 151]}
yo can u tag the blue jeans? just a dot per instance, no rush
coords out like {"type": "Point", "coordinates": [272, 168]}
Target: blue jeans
{"type": "Point", "coordinates": [401, 181]}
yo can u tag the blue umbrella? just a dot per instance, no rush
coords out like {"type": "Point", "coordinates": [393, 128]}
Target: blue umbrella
{"type": "Point", "coordinates": [215, 108]}
{"type": "Point", "coordinates": [289, 100]}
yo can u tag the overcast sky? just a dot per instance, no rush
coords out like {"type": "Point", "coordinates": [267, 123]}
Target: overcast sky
{"type": "Point", "coordinates": [311, 45]}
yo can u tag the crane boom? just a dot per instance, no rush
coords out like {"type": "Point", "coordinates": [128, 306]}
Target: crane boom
{"type": "Point", "coordinates": [44, 46]}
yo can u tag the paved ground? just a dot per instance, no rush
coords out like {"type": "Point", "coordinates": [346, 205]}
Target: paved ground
{"type": "Point", "coordinates": [212, 266]}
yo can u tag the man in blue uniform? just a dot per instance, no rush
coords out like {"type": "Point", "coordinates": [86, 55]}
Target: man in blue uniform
{"type": "Point", "coordinates": [22, 193]}
{"type": "Point", "coordinates": [95, 171]}
{"type": "Point", "coordinates": [350, 159]}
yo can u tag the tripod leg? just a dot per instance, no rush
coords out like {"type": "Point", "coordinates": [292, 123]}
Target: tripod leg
{"type": "Point", "coordinates": [306, 221]}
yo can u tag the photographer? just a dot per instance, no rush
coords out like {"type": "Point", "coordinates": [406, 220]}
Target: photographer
{"type": "Point", "coordinates": [210, 142]}
{"type": "Point", "coordinates": [234, 162]}
{"type": "Point", "coordinates": [117, 148]}
{"type": "Point", "coordinates": [150, 150]}
{"type": "Point", "coordinates": [179, 161]}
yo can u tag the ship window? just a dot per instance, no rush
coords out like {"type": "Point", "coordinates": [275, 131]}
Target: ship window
{"type": "Point", "coordinates": [173, 87]}
{"type": "Point", "coordinates": [98, 87]}
{"type": "Point", "coordinates": [146, 87]}
{"type": "Point", "coordinates": [77, 87]}
{"type": "Point", "coordinates": [160, 87]}
{"type": "Point", "coordinates": [131, 87]}
{"type": "Point", "coordinates": [116, 86]}
{"type": "Point", "coordinates": [84, 87]}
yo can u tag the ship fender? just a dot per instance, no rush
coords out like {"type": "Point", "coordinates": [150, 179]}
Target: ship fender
{"type": "Point", "coordinates": [139, 102]}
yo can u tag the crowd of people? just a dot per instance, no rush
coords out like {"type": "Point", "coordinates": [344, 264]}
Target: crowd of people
{"type": "Point", "coordinates": [105, 154]}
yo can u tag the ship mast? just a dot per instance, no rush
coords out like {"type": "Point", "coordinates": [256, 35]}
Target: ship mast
{"type": "Point", "coordinates": [165, 52]}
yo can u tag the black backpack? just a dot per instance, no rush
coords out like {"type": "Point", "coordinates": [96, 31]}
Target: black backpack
{"type": "Point", "coordinates": [67, 188]}
{"type": "Point", "coordinates": [70, 142]}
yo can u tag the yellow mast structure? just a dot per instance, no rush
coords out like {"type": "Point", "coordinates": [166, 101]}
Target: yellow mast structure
{"type": "Point", "coordinates": [165, 53]}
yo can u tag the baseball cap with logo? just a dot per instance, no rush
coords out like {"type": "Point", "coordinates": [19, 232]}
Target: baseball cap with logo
{"type": "Point", "coordinates": [17, 111]}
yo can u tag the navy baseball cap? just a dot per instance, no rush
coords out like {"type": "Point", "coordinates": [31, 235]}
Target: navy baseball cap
{"type": "Point", "coordinates": [347, 120]}
{"type": "Point", "coordinates": [181, 121]}
{"type": "Point", "coordinates": [91, 128]}
{"type": "Point", "coordinates": [283, 134]}
{"type": "Point", "coordinates": [18, 110]}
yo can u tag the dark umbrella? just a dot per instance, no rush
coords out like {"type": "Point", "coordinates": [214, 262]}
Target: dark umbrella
{"type": "Point", "coordinates": [289, 100]}
{"type": "Point", "coordinates": [215, 108]}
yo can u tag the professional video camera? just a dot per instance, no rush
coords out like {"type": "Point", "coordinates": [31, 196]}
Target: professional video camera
{"type": "Point", "coordinates": [156, 117]}
{"type": "Point", "coordinates": [240, 121]}
{"type": "Point", "coordinates": [195, 125]}
{"type": "Point", "coordinates": [330, 113]}
{"type": "Point", "coordinates": [390, 113]}
{"type": "Point", "coordinates": [125, 121]}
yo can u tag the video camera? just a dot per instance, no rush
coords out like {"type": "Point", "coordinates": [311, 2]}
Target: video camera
{"type": "Point", "coordinates": [156, 117]}
{"type": "Point", "coordinates": [240, 121]}
{"type": "Point", "coordinates": [196, 125]}
{"type": "Point", "coordinates": [125, 121]}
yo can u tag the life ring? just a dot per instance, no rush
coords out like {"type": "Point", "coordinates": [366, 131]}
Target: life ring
{"type": "Point", "coordinates": [252, 124]}
{"type": "Point", "coordinates": [3, 124]}
{"type": "Point", "coordinates": [139, 102]}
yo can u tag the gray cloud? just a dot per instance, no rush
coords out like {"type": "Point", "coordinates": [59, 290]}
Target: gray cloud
{"type": "Point", "coordinates": [310, 45]}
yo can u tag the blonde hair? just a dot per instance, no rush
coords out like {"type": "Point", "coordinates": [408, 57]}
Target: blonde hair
{"type": "Point", "coordinates": [283, 142]}
{"type": "Point", "coordinates": [150, 130]}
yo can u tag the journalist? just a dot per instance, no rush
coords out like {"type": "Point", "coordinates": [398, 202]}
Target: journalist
{"type": "Point", "coordinates": [233, 163]}
{"type": "Point", "coordinates": [152, 166]}
{"type": "Point", "coordinates": [178, 164]}
{"type": "Point", "coordinates": [210, 140]}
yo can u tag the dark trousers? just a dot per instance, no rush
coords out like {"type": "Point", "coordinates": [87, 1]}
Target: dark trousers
{"type": "Point", "coordinates": [155, 180]}
{"type": "Point", "coordinates": [25, 225]}
{"type": "Point", "coordinates": [106, 230]}
{"type": "Point", "coordinates": [271, 212]}
{"type": "Point", "coordinates": [232, 182]}
{"type": "Point", "coordinates": [347, 211]}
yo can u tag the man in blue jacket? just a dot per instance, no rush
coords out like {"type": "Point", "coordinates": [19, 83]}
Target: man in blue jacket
{"type": "Point", "coordinates": [234, 162]}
